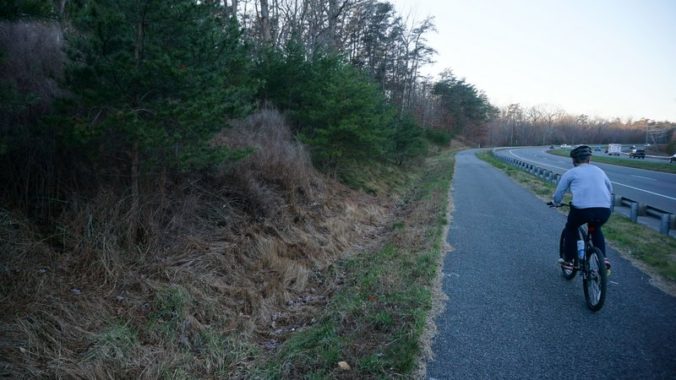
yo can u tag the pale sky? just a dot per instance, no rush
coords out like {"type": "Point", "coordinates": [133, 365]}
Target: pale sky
{"type": "Point", "coordinates": [606, 58]}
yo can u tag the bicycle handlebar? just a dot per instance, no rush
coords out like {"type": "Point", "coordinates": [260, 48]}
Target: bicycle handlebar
{"type": "Point", "coordinates": [552, 205]}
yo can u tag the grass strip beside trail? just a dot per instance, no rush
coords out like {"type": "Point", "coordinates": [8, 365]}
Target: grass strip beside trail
{"type": "Point", "coordinates": [375, 320]}
{"type": "Point", "coordinates": [655, 250]}
{"type": "Point", "coordinates": [632, 163]}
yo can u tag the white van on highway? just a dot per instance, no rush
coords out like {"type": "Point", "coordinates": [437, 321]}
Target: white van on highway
{"type": "Point", "coordinates": [614, 149]}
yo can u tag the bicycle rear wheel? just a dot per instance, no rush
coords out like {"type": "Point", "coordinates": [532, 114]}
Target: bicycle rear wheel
{"type": "Point", "coordinates": [595, 281]}
{"type": "Point", "coordinates": [568, 274]}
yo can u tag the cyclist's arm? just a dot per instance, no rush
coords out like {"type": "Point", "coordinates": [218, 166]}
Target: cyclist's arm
{"type": "Point", "coordinates": [609, 186]}
{"type": "Point", "coordinates": [562, 187]}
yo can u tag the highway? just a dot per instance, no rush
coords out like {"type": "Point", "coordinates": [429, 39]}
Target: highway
{"type": "Point", "coordinates": [657, 189]}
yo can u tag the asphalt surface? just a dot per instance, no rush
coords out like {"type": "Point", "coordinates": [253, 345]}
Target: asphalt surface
{"type": "Point", "coordinates": [510, 313]}
{"type": "Point", "coordinates": [657, 189]}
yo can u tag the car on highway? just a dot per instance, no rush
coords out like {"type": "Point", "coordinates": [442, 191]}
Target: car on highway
{"type": "Point", "coordinates": [637, 153]}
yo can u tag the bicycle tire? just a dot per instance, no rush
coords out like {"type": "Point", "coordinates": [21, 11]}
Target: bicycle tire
{"type": "Point", "coordinates": [595, 281]}
{"type": "Point", "coordinates": [568, 274]}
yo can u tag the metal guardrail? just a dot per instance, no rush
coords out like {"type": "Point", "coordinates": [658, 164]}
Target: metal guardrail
{"type": "Point", "coordinates": [667, 220]}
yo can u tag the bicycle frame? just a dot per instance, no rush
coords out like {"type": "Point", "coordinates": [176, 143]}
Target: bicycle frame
{"type": "Point", "coordinates": [593, 270]}
{"type": "Point", "coordinates": [585, 232]}
{"type": "Point", "coordinates": [591, 266]}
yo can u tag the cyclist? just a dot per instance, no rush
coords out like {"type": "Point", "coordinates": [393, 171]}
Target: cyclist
{"type": "Point", "coordinates": [592, 197]}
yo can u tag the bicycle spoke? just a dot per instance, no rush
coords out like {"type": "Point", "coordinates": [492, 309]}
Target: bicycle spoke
{"type": "Point", "coordinates": [596, 291]}
{"type": "Point", "coordinates": [594, 282]}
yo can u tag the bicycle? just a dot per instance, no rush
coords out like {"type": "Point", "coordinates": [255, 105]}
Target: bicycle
{"type": "Point", "coordinates": [591, 264]}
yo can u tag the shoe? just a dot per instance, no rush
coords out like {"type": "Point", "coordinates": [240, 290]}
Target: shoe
{"type": "Point", "coordinates": [566, 265]}
{"type": "Point", "coordinates": [607, 263]}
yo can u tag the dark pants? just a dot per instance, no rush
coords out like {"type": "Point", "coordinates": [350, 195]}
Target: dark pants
{"type": "Point", "coordinates": [579, 216]}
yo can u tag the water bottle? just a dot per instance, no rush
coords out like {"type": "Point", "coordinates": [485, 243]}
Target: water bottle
{"type": "Point", "coordinates": [580, 249]}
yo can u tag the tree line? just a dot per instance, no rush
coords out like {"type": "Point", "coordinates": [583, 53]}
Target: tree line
{"type": "Point", "coordinates": [132, 91]}
{"type": "Point", "coordinates": [127, 91]}
{"type": "Point", "coordinates": [550, 125]}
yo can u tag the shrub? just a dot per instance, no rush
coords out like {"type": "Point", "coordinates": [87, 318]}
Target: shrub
{"type": "Point", "coordinates": [407, 141]}
{"type": "Point", "coordinates": [438, 137]}
{"type": "Point", "coordinates": [161, 97]}
{"type": "Point", "coordinates": [277, 169]}
{"type": "Point", "coordinates": [335, 109]}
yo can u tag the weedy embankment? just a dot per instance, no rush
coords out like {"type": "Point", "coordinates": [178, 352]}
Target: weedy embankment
{"type": "Point", "coordinates": [374, 323]}
{"type": "Point", "coordinates": [229, 265]}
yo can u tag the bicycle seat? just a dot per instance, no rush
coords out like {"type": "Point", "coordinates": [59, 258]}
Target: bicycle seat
{"type": "Point", "coordinates": [591, 226]}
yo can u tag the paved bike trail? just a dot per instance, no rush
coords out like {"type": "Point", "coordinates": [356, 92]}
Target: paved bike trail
{"type": "Point", "coordinates": [511, 315]}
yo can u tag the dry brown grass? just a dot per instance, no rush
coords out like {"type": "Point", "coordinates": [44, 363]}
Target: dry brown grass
{"type": "Point", "coordinates": [228, 267]}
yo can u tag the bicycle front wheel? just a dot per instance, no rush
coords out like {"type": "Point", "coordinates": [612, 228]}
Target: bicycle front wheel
{"type": "Point", "coordinates": [568, 274]}
{"type": "Point", "coordinates": [595, 281]}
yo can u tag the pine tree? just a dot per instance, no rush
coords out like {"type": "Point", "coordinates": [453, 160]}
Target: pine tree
{"type": "Point", "coordinates": [154, 80]}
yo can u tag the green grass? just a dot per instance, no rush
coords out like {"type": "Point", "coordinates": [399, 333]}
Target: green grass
{"type": "Point", "coordinates": [375, 178]}
{"type": "Point", "coordinates": [374, 323]}
{"type": "Point", "coordinates": [654, 249]}
{"type": "Point", "coordinates": [534, 183]}
{"type": "Point", "coordinates": [632, 163]}
{"type": "Point", "coordinates": [170, 310]}
{"type": "Point", "coordinates": [115, 343]}
{"type": "Point", "coordinates": [375, 320]}
{"type": "Point", "coordinates": [642, 243]}
{"type": "Point", "coordinates": [222, 352]}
